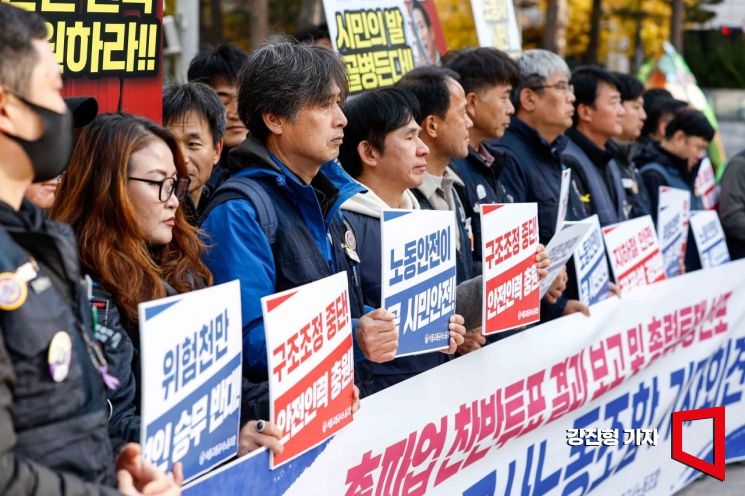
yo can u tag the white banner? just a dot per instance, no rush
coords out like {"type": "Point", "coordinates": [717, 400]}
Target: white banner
{"type": "Point", "coordinates": [673, 212]}
{"type": "Point", "coordinates": [496, 25]}
{"type": "Point", "coordinates": [561, 247]}
{"type": "Point", "coordinates": [705, 185]}
{"type": "Point", "coordinates": [538, 412]}
{"type": "Point", "coordinates": [709, 236]}
{"type": "Point", "coordinates": [191, 368]}
{"type": "Point", "coordinates": [418, 276]}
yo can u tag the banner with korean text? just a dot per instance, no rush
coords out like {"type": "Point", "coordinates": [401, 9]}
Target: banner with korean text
{"type": "Point", "coordinates": [496, 25]}
{"type": "Point", "coordinates": [509, 243]}
{"type": "Point", "coordinates": [705, 184]}
{"type": "Point", "coordinates": [673, 212]}
{"type": "Point", "coordinates": [578, 404]}
{"type": "Point", "coordinates": [311, 364]}
{"type": "Point", "coordinates": [191, 358]}
{"type": "Point", "coordinates": [709, 237]}
{"type": "Point", "coordinates": [634, 253]}
{"type": "Point", "coordinates": [591, 266]}
{"type": "Point", "coordinates": [381, 41]}
{"type": "Point", "coordinates": [418, 276]}
{"type": "Point", "coordinates": [108, 50]}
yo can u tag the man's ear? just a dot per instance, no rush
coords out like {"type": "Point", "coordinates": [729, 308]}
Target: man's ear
{"type": "Point", "coordinates": [273, 122]}
{"type": "Point", "coordinates": [471, 102]}
{"type": "Point", "coordinates": [6, 123]}
{"type": "Point", "coordinates": [368, 155]}
{"type": "Point", "coordinates": [584, 112]}
{"type": "Point", "coordinates": [429, 126]}
{"type": "Point", "coordinates": [527, 99]}
{"type": "Point", "coordinates": [218, 151]}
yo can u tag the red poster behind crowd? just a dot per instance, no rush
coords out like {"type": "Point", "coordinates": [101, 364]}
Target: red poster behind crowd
{"type": "Point", "coordinates": [111, 51]}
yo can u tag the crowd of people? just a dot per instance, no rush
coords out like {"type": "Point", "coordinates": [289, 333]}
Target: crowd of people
{"type": "Point", "coordinates": [265, 171]}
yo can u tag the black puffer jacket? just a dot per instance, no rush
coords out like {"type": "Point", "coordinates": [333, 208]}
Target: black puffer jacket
{"type": "Point", "coordinates": [53, 435]}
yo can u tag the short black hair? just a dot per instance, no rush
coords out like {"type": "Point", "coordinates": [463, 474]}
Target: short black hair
{"type": "Point", "coordinates": [692, 123]}
{"type": "Point", "coordinates": [416, 4]}
{"type": "Point", "coordinates": [429, 84]}
{"type": "Point", "coordinates": [180, 99]}
{"type": "Point", "coordinates": [18, 57]}
{"type": "Point", "coordinates": [652, 95]}
{"type": "Point", "coordinates": [586, 80]}
{"type": "Point", "coordinates": [371, 116]}
{"type": "Point", "coordinates": [657, 109]}
{"type": "Point", "coordinates": [222, 64]}
{"type": "Point", "coordinates": [629, 86]}
{"type": "Point", "coordinates": [482, 68]}
{"type": "Point", "coordinates": [281, 78]}
{"type": "Point", "coordinates": [312, 33]}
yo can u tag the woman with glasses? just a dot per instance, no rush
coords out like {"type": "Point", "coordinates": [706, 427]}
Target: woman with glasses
{"type": "Point", "coordinates": [121, 195]}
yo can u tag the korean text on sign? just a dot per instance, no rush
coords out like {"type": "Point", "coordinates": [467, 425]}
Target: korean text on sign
{"type": "Point", "coordinates": [418, 276]}
{"type": "Point", "coordinates": [673, 211]}
{"type": "Point", "coordinates": [709, 236]}
{"type": "Point", "coordinates": [591, 266]}
{"type": "Point", "coordinates": [311, 363]}
{"type": "Point", "coordinates": [634, 253]}
{"type": "Point", "coordinates": [97, 38]}
{"type": "Point", "coordinates": [509, 246]}
{"type": "Point", "coordinates": [191, 354]}
{"type": "Point", "coordinates": [373, 42]}
{"type": "Point", "coordinates": [561, 247]}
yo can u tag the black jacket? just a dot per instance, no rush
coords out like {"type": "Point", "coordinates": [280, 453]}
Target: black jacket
{"type": "Point", "coordinates": [732, 205]}
{"type": "Point", "coordinates": [53, 435]}
{"type": "Point", "coordinates": [633, 185]}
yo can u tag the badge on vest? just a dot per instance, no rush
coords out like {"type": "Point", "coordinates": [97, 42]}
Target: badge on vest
{"type": "Point", "coordinates": [350, 245]}
{"type": "Point", "coordinates": [13, 291]}
{"type": "Point", "coordinates": [630, 185]}
{"type": "Point", "coordinates": [59, 356]}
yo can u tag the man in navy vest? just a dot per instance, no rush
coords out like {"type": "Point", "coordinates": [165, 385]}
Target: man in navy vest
{"type": "Point", "coordinates": [289, 98]}
{"type": "Point", "coordinates": [598, 116]}
{"type": "Point", "coordinates": [677, 157]}
{"type": "Point", "coordinates": [383, 151]}
{"type": "Point", "coordinates": [533, 144]}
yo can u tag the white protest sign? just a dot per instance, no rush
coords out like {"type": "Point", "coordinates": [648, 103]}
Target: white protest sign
{"type": "Point", "coordinates": [673, 211]}
{"type": "Point", "coordinates": [709, 236]}
{"type": "Point", "coordinates": [635, 256]}
{"type": "Point", "coordinates": [191, 367]}
{"type": "Point", "coordinates": [311, 365]}
{"type": "Point", "coordinates": [591, 266]}
{"type": "Point", "coordinates": [496, 25]}
{"type": "Point", "coordinates": [509, 242]}
{"type": "Point", "coordinates": [418, 276]}
{"type": "Point", "coordinates": [705, 185]}
{"type": "Point", "coordinates": [566, 176]}
{"type": "Point", "coordinates": [560, 249]}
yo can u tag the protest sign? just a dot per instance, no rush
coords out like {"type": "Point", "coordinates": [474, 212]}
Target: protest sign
{"type": "Point", "coordinates": [380, 43]}
{"type": "Point", "coordinates": [190, 348]}
{"type": "Point", "coordinates": [634, 252]}
{"type": "Point", "coordinates": [705, 185]}
{"type": "Point", "coordinates": [561, 248]}
{"type": "Point", "coordinates": [591, 266]}
{"type": "Point", "coordinates": [673, 212]}
{"type": "Point", "coordinates": [418, 276]}
{"type": "Point", "coordinates": [311, 365]}
{"type": "Point", "coordinates": [566, 176]}
{"type": "Point", "coordinates": [496, 25]}
{"type": "Point", "coordinates": [509, 242]}
{"type": "Point", "coordinates": [709, 236]}
{"type": "Point", "coordinates": [109, 50]}
{"type": "Point", "coordinates": [575, 406]}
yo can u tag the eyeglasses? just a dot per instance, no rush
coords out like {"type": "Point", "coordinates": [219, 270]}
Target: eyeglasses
{"type": "Point", "coordinates": [168, 186]}
{"type": "Point", "coordinates": [562, 86]}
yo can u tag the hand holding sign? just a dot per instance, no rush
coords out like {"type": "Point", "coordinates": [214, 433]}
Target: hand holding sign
{"type": "Point", "coordinates": [251, 438]}
{"type": "Point", "coordinates": [136, 476]}
{"type": "Point", "coordinates": [377, 336]}
{"type": "Point", "coordinates": [543, 261]}
{"type": "Point", "coordinates": [457, 332]}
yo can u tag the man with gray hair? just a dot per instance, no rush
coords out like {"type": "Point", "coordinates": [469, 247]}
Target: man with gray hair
{"type": "Point", "coordinates": [276, 223]}
{"type": "Point", "coordinates": [534, 142]}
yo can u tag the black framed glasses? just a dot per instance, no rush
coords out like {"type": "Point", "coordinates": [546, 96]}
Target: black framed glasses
{"type": "Point", "coordinates": [562, 86]}
{"type": "Point", "coordinates": [168, 186]}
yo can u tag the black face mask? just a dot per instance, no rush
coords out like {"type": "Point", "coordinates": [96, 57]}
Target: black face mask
{"type": "Point", "coordinates": [51, 151]}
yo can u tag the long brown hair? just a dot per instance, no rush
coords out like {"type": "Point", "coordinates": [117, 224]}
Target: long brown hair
{"type": "Point", "coordinates": [93, 199]}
